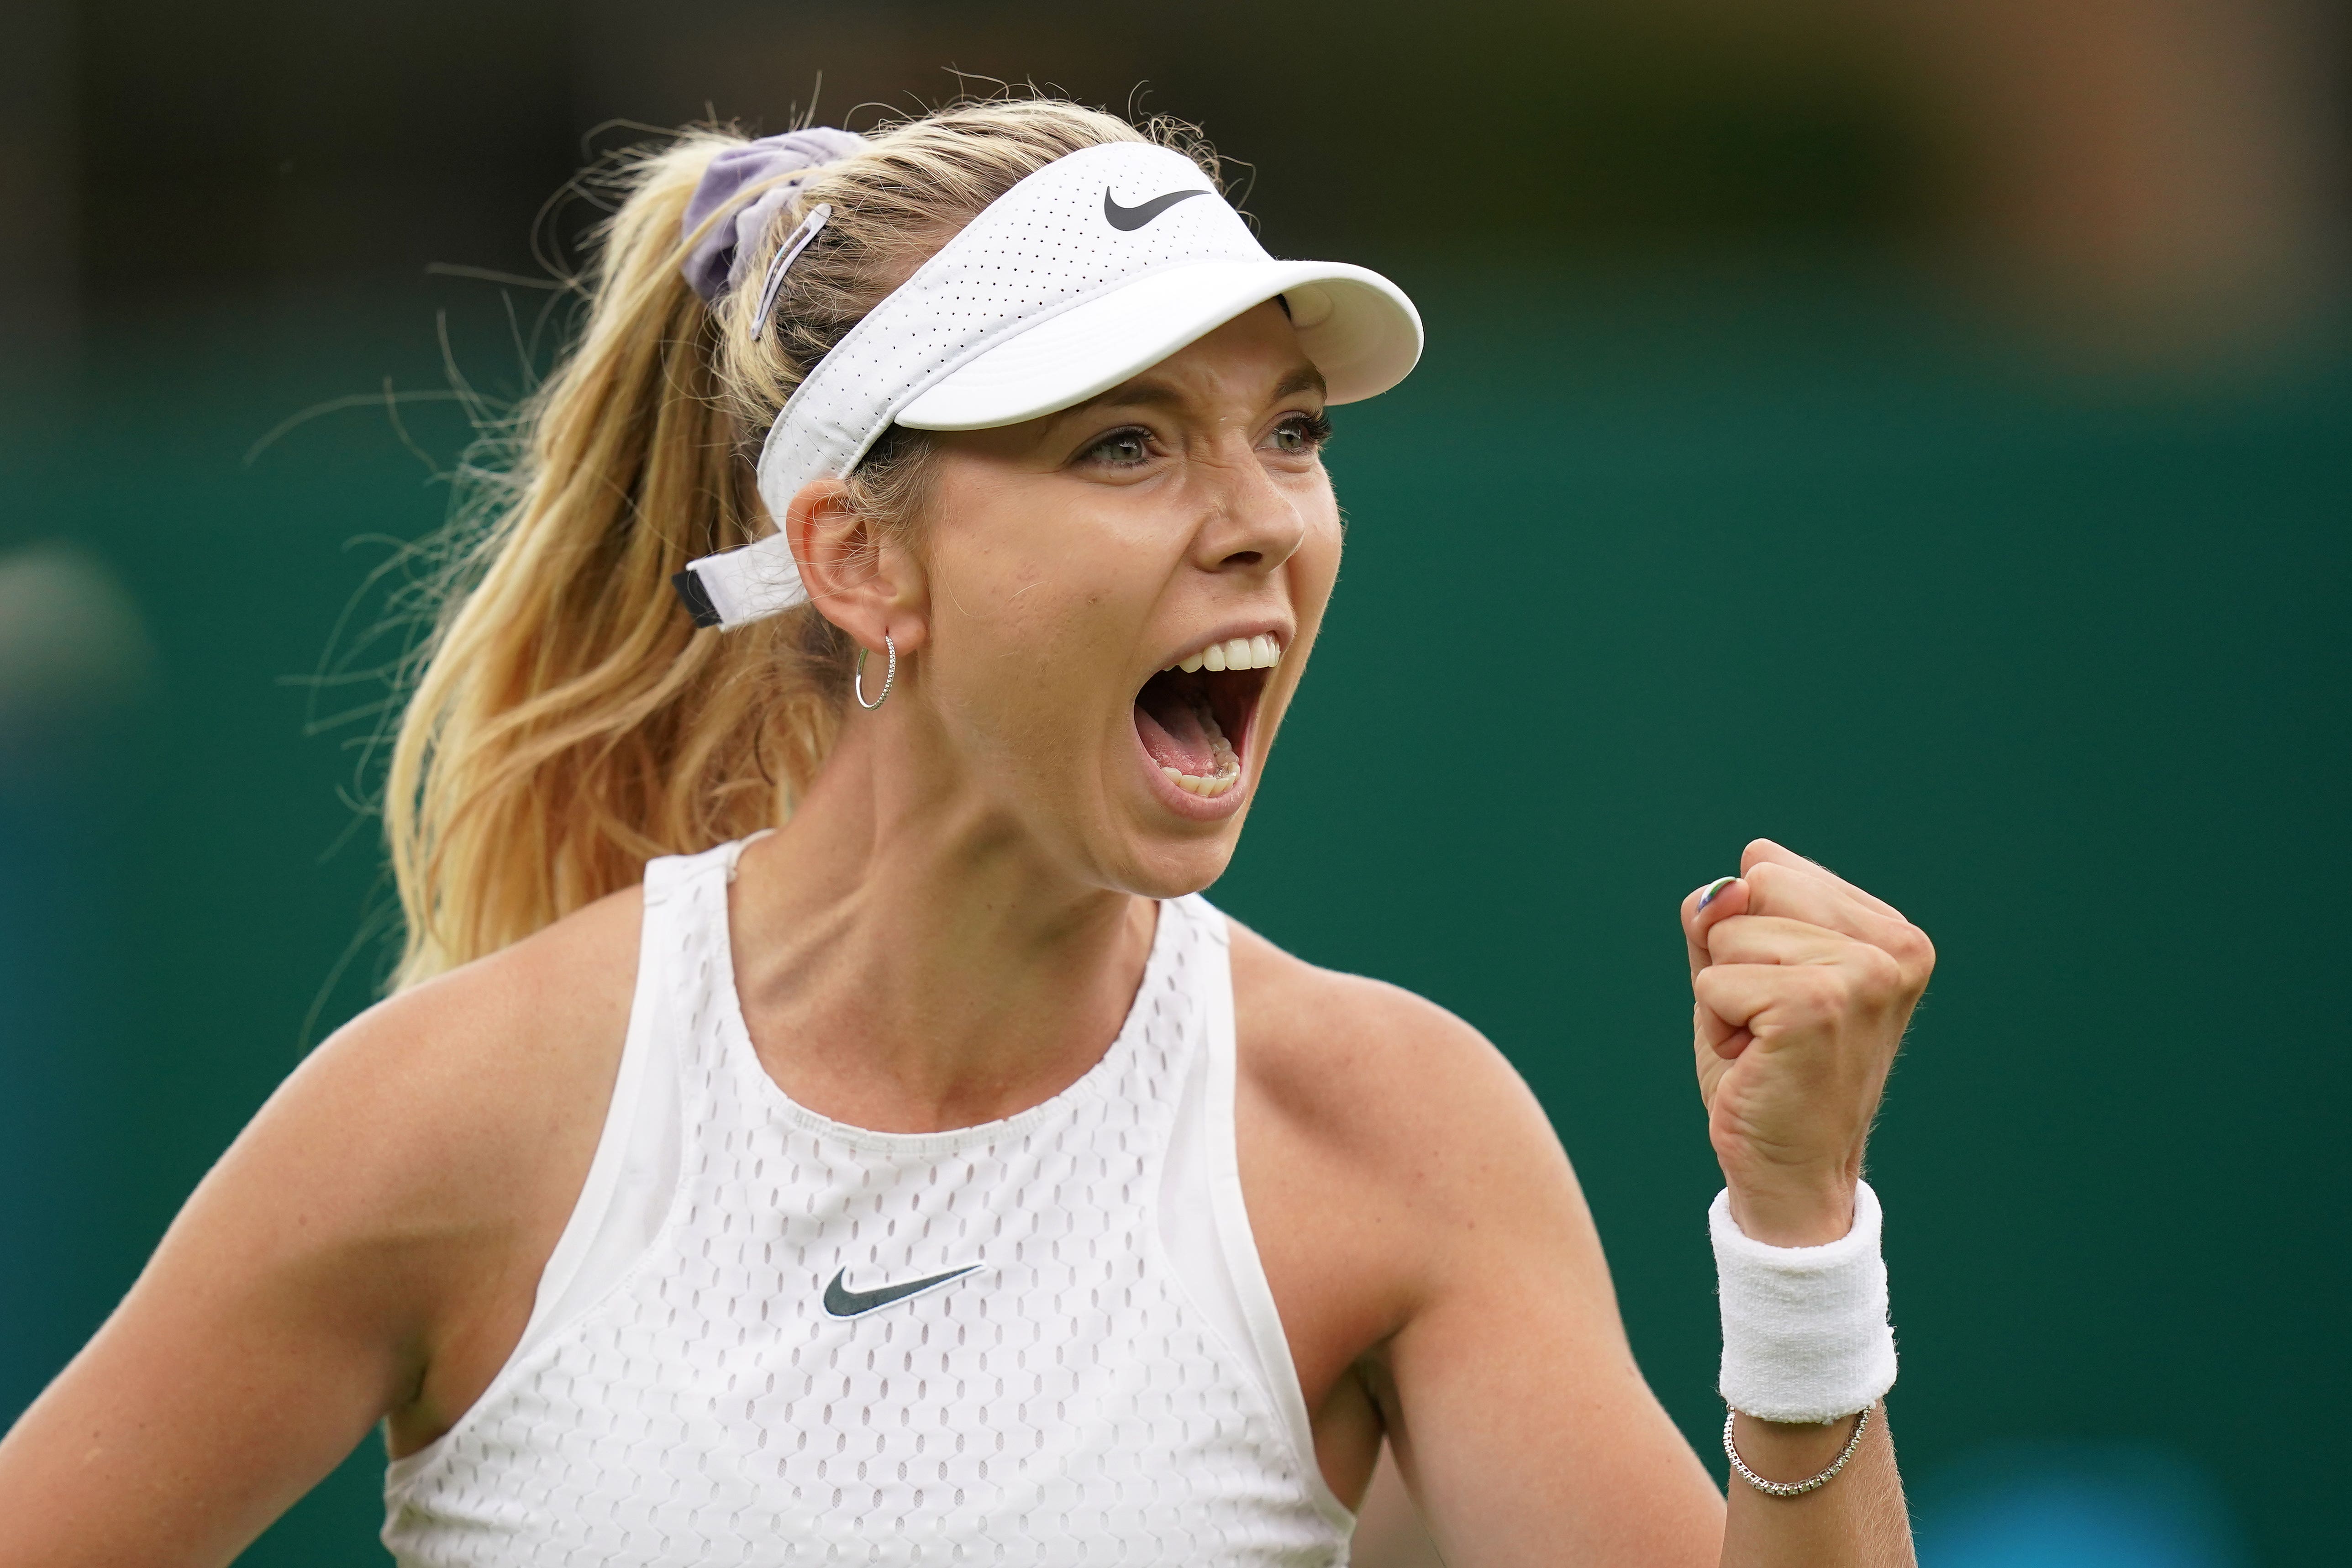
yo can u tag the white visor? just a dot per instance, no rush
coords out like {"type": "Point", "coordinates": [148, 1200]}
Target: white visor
{"type": "Point", "coordinates": [1096, 266]}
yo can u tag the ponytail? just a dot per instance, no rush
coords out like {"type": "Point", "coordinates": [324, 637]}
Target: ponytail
{"type": "Point", "coordinates": [569, 723]}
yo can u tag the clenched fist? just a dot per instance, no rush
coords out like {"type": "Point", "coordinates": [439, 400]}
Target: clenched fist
{"type": "Point", "coordinates": [1805, 985]}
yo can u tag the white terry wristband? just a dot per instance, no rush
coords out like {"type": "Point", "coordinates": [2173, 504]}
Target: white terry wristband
{"type": "Point", "coordinates": [1805, 1335]}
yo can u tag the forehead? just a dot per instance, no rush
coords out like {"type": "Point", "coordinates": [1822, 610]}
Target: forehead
{"type": "Point", "coordinates": [1255, 359]}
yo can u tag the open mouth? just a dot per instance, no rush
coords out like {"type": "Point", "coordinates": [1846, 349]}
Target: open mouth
{"type": "Point", "coordinates": [1193, 717]}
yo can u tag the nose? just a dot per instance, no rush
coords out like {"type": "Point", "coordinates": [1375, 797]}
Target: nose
{"type": "Point", "coordinates": [1253, 525]}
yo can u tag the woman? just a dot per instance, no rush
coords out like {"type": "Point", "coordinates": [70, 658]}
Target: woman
{"type": "Point", "coordinates": [936, 1177]}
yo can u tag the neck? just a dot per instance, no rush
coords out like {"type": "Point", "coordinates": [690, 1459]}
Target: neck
{"type": "Point", "coordinates": [909, 958]}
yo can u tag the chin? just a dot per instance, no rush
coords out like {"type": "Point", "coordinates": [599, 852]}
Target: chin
{"type": "Point", "coordinates": [1169, 865]}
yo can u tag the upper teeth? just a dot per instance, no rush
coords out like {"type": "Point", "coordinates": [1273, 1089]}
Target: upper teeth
{"type": "Point", "coordinates": [1260, 652]}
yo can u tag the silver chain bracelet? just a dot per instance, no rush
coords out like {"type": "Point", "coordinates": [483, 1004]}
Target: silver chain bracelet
{"type": "Point", "coordinates": [1789, 1488]}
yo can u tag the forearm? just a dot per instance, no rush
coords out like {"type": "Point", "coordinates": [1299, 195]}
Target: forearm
{"type": "Point", "coordinates": [1805, 1339]}
{"type": "Point", "coordinates": [1805, 1301]}
{"type": "Point", "coordinates": [1803, 984]}
{"type": "Point", "coordinates": [1857, 1521]}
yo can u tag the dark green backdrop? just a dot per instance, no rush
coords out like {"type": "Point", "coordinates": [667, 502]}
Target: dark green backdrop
{"type": "Point", "coordinates": [1637, 569]}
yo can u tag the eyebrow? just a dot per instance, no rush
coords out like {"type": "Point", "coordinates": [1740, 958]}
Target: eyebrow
{"type": "Point", "coordinates": [1307, 379]}
{"type": "Point", "coordinates": [1304, 382]}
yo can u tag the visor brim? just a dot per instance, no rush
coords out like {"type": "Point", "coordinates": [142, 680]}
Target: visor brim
{"type": "Point", "coordinates": [1358, 328]}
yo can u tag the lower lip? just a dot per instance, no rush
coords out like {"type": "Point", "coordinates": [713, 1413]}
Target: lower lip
{"type": "Point", "coordinates": [1184, 802]}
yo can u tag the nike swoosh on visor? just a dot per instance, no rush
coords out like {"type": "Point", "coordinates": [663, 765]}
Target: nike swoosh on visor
{"type": "Point", "coordinates": [1135, 218]}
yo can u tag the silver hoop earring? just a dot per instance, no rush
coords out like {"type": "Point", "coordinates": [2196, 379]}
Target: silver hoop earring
{"type": "Point", "coordinates": [890, 674]}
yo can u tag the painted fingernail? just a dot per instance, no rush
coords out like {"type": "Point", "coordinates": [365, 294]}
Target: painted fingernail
{"type": "Point", "coordinates": [1714, 887]}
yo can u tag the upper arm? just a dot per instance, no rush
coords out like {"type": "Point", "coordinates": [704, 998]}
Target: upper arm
{"type": "Point", "coordinates": [1522, 1424]}
{"type": "Point", "coordinates": [1519, 1419]}
{"type": "Point", "coordinates": [402, 1178]}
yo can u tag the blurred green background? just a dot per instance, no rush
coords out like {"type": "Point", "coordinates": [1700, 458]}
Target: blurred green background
{"type": "Point", "coordinates": [1914, 432]}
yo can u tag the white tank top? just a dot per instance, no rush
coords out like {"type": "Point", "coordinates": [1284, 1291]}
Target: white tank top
{"type": "Point", "coordinates": [768, 1337]}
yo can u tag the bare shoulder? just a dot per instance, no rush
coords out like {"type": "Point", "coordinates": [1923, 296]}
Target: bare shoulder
{"type": "Point", "coordinates": [1361, 1062]}
{"type": "Point", "coordinates": [1386, 1105]}
{"type": "Point", "coordinates": [487, 1071]}
{"type": "Point", "coordinates": [367, 1247]}
{"type": "Point", "coordinates": [411, 1176]}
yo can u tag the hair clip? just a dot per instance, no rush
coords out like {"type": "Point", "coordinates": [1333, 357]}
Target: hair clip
{"type": "Point", "coordinates": [789, 252]}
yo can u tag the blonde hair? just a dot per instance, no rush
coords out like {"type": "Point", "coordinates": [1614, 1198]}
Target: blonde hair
{"type": "Point", "coordinates": [567, 722]}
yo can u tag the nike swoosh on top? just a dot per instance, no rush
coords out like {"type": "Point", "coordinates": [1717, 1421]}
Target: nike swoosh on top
{"type": "Point", "coordinates": [1135, 218]}
{"type": "Point", "coordinates": [842, 1302]}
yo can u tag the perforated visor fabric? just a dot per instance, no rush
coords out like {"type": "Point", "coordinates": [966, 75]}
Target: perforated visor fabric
{"type": "Point", "coordinates": [1065, 241]}
{"type": "Point", "coordinates": [1346, 326]}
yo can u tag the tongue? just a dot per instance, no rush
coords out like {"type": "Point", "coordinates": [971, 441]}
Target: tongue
{"type": "Point", "coordinates": [1174, 731]}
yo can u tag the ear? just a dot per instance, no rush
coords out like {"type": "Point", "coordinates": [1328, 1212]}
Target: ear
{"type": "Point", "coordinates": [857, 580]}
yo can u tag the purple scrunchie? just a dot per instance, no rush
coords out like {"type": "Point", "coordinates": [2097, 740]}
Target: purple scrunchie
{"type": "Point", "coordinates": [715, 264]}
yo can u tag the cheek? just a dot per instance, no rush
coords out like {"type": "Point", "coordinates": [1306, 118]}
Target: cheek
{"type": "Point", "coordinates": [1028, 596]}
{"type": "Point", "coordinates": [1033, 625]}
{"type": "Point", "coordinates": [1315, 567]}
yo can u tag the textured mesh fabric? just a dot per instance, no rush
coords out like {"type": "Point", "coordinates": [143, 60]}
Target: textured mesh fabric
{"type": "Point", "coordinates": [1070, 1400]}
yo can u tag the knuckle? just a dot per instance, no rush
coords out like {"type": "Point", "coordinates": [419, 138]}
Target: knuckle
{"type": "Point", "coordinates": [1911, 950]}
{"type": "Point", "coordinates": [1879, 971]}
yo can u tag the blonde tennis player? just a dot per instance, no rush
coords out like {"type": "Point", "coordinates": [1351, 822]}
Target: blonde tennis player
{"type": "Point", "coordinates": [820, 1120]}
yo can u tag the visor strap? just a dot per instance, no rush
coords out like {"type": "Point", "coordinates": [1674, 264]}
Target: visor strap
{"type": "Point", "coordinates": [738, 586]}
